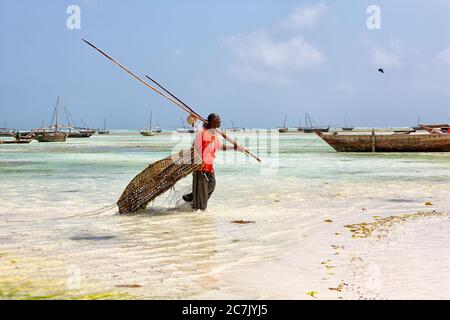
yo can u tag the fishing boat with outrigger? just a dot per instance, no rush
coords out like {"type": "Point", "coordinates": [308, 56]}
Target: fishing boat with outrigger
{"type": "Point", "coordinates": [162, 175]}
{"type": "Point", "coordinates": [51, 133]}
{"type": "Point", "coordinates": [433, 140]}
{"type": "Point", "coordinates": [148, 132]}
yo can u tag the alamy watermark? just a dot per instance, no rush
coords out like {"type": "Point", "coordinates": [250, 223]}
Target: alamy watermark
{"type": "Point", "coordinates": [374, 20]}
{"type": "Point", "coordinates": [73, 21]}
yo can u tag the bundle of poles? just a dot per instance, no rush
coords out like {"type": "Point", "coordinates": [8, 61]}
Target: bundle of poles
{"type": "Point", "coordinates": [172, 98]}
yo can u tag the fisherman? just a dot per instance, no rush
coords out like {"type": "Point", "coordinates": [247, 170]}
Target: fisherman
{"type": "Point", "coordinates": [206, 143]}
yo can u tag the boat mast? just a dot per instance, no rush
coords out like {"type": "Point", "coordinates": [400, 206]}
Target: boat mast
{"type": "Point", "coordinates": [285, 120]}
{"type": "Point", "coordinates": [67, 117]}
{"type": "Point", "coordinates": [57, 114]}
{"type": "Point", "coordinates": [150, 127]}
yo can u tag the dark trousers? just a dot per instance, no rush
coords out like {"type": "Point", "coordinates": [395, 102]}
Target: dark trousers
{"type": "Point", "coordinates": [203, 185]}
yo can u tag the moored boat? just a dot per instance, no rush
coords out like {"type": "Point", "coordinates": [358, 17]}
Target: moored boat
{"type": "Point", "coordinates": [51, 133]}
{"type": "Point", "coordinates": [185, 129]}
{"type": "Point", "coordinates": [310, 127]}
{"type": "Point", "coordinates": [395, 142]}
{"type": "Point", "coordinates": [148, 132]}
{"type": "Point", "coordinates": [283, 129]}
{"type": "Point", "coordinates": [104, 130]}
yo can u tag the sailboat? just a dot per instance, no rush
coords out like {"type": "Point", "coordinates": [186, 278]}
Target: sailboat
{"type": "Point", "coordinates": [184, 129]}
{"type": "Point", "coordinates": [284, 129]}
{"type": "Point", "coordinates": [310, 128]}
{"type": "Point", "coordinates": [148, 132]}
{"type": "Point", "coordinates": [104, 130]}
{"type": "Point", "coordinates": [76, 132]}
{"type": "Point", "coordinates": [347, 128]}
{"type": "Point", "coordinates": [300, 128]}
{"type": "Point", "coordinates": [51, 134]}
{"type": "Point", "coordinates": [158, 128]}
{"type": "Point", "coordinates": [234, 128]}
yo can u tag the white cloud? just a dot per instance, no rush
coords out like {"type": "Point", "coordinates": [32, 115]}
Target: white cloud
{"type": "Point", "coordinates": [443, 58]}
{"type": "Point", "coordinates": [390, 56]}
{"type": "Point", "coordinates": [305, 16]}
{"type": "Point", "coordinates": [257, 56]}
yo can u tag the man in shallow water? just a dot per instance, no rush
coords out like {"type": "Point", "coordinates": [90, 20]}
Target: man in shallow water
{"type": "Point", "coordinates": [206, 142]}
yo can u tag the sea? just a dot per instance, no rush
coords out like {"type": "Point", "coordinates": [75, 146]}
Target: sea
{"type": "Point", "coordinates": [270, 231]}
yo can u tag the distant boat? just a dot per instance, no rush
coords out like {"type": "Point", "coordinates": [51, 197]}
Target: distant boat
{"type": "Point", "coordinates": [347, 128]}
{"type": "Point", "coordinates": [395, 142]}
{"type": "Point", "coordinates": [5, 132]}
{"type": "Point", "coordinates": [157, 128]}
{"type": "Point", "coordinates": [77, 132]}
{"type": "Point", "coordinates": [310, 127]}
{"type": "Point", "coordinates": [300, 128]}
{"type": "Point", "coordinates": [442, 127]}
{"type": "Point", "coordinates": [284, 129]}
{"type": "Point", "coordinates": [234, 128]}
{"type": "Point", "coordinates": [148, 132]}
{"type": "Point", "coordinates": [16, 141]}
{"type": "Point", "coordinates": [185, 129]}
{"type": "Point", "coordinates": [104, 130]}
{"type": "Point", "coordinates": [51, 134]}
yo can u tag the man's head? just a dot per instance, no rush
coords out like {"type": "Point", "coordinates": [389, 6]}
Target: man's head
{"type": "Point", "coordinates": [213, 121]}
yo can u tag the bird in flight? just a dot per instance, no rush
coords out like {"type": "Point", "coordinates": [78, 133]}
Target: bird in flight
{"type": "Point", "coordinates": [381, 70]}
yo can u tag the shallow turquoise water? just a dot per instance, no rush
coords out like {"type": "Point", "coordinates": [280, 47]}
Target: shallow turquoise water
{"type": "Point", "coordinates": [300, 182]}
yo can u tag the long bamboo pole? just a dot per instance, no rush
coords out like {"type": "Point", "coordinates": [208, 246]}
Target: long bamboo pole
{"type": "Point", "coordinates": [246, 151]}
{"type": "Point", "coordinates": [173, 100]}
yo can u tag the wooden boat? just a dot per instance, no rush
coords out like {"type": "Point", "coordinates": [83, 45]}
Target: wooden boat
{"type": "Point", "coordinates": [148, 132]}
{"type": "Point", "coordinates": [49, 136]}
{"type": "Point", "coordinates": [4, 132]}
{"type": "Point", "coordinates": [234, 128]}
{"type": "Point", "coordinates": [345, 127]}
{"type": "Point", "coordinates": [79, 134]}
{"type": "Point", "coordinates": [52, 133]}
{"type": "Point", "coordinates": [396, 142]}
{"type": "Point", "coordinates": [16, 141]}
{"type": "Point", "coordinates": [104, 130]}
{"type": "Point", "coordinates": [76, 132]}
{"type": "Point", "coordinates": [310, 128]}
{"type": "Point", "coordinates": [443, 127]}
{"type": "Point", "coordinates": [283, 129]}
{"type": "Point", "coordinates": [185, 129]}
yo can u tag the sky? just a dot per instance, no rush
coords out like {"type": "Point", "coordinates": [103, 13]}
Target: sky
{"type": "Point", "coordinates": [252, 61]}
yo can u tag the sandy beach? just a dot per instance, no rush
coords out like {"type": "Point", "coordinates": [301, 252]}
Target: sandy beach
{"type": "Point", "coordinates": [365, 227]}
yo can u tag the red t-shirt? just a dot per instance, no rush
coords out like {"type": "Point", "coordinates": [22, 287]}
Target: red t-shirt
{"type": "Point", "coordinates": [208, 141]}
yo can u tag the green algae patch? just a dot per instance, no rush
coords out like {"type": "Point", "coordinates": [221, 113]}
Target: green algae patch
{"type": "Point", "coordinates": [17, 289]}
{"type": "Point", "coordinates": [365, 230]}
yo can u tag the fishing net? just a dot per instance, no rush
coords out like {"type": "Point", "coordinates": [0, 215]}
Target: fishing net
{"type": "Point", "coordinates": [157, 178]}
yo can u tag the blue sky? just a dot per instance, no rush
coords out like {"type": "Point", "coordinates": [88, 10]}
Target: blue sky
{"type": "Point", "coordinates": [252, 61]}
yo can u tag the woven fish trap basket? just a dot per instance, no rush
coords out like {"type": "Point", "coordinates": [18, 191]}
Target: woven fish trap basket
{"type": "Point", "coordinates": [157, 178]}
